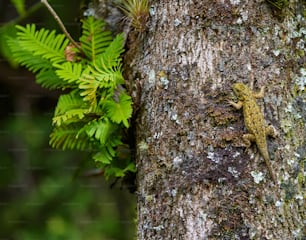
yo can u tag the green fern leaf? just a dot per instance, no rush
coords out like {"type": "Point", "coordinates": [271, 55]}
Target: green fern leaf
{"type": "Point", "coordinates": [105, 155]}
{"type": "Point", "coordinates": [111, 57]}
{"type": "Point", "coordinates": [102, 130]}
{"type": "Point", "coordinates": [70, 108]}
{"type": "Point", "coordinates": [118, 171]}
{"type": "Point", "coordinates": [108, 78]}
{"type": "Point", "coordinates": [94, 40]}
{"type": "Point", "coordinates": [26, 58]}
{"type": "Point", "coordinates": [69, 71]}
{"type": "Point", "coordinates": [48, 79]}
{"type": "Point", "coordinates": [107, 67]}
{"type": "Point", "coordinates": [69, 137]}
{"type": "Point", "coordinates": [89, 86]}
{"type": "Point", "coordinates": [43, 43]}
{"type": "Point", "coordinates": [120, 111]}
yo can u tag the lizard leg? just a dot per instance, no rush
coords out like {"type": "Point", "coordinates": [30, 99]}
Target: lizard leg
{"type": "Point", "coordinates": [248, 138]}
{"type": "Point", "coordinates": [260, 94]}
{"type": "Point", "coordinates": [271, 131]}
{"type": "Point", "coordinates": [237, 105]}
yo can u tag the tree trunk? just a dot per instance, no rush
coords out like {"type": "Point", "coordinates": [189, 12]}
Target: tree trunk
{"type": "Point", "coordinates": [195, 179]}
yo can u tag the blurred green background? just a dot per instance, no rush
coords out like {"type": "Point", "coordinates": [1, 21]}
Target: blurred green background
{"type": "Point", "coordinates": [47, 193]}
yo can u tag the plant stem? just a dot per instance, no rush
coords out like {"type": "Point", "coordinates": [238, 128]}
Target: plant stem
{"type": "Point", "coordinates": [60, 23]}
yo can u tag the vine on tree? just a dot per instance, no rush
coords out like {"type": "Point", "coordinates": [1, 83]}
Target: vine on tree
{"type": "Point", "coordinates": [94, 112]}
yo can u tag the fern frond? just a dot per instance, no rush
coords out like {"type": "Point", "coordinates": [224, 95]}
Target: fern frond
{"type": "Point", "coordinates": [70, 108]}
{"type": "Point", "coordinates": [48, 79]}
{"type": "Point", "coordinates": [26, 58]}
{"type": "Point", "coordinates": [121, 111]}
{"type": "Point", "coordinates": [89, 86]}
{"type": "Point", "coordinates": [109, 78]}
{"type": "Point", "coordinates": [102, 130]}
{"type": "Point", "coordinates": [105, 155]}
{"type": "Point", "coordinates": [111, 57]}
{"type": "Point", "coordinates": [68, 137]}
{"type": "Point", "coordinates": [69, 71]}
{"type": "Point", "coordinates": [94, 40]}
{"type": "Point", "coordinates": [107, 66]}
{"type": "Point", "coordinates": [44, 43]}
{"type": "Point", "coordinates": [118, 171]}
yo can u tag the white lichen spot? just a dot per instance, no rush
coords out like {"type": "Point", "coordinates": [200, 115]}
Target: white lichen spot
{"type": "Point", "coordinates": [287, 147]}
{"type": "Point", "coordinates": [177, 161]}
{"type": "Point", "coordinates": [278, 203]}
{"type": "Point", "coordinates": [296, 233]}
{"type": "Point", "coordinates": [212, 156]}
{"type": "Point", "coordinates": [276, 52]}
{"type": "Point", "coordinates": [152, 77]}
{"type": "Point", "coordinates": [173, 116]}
{"type": "Point", "coordinates": [249, 66]}
{"type": "Point", "coordinates": [301, 79]}
{"type": "Point", "coordinates": [257, 176]}
{"type": "Point", "coordinates": [235, 2]}
{"type": "Point", "coordinates": [236, 154]}
{"type": "Point", "coordinates": [291, 162]}
{"type": "Point", "coordinates": [239, 21]}
{"type": "Point", "coordinates": [244, 15]}
{"type": "Point", "coordinates": [297, 154]}
{"type": "Point", "coordinates": [158, 228]}
{"type": "Point", "coordinates": [165, 82]}
{"type": "Point", "coordinates": [286, 176]}
{"type": "Point", "coordinates": [157, 135]}
{"type": "Point", "coordinates": [152, 11]}
{"type": "Point", "coordinates": [173, 193]}
{"type": "Point", "coordinates": [299, 197]}
{"type": "Point", "coordinates": [233, 171]}
{"type": "Point", "coordinates": [177, 22]}
{"type": "Point", "coordinates": [289, 108]}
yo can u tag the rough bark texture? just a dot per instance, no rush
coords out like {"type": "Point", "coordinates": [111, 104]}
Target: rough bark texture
{"type": "Point", "coordinates": [195, 179]}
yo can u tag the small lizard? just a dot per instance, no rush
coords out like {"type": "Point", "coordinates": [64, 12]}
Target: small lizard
{"type": "Point", "coordinates": [254, 121]}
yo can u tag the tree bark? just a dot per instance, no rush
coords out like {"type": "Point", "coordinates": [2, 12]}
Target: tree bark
{"type": "Point", "coordinates": [195, 179]}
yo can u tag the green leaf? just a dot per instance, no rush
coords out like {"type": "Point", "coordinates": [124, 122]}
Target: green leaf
{"type": "Point", "coordinates": [70, 108]}
{"type": "Point", "coordinates": [48, 79]}
{"type": "Point", "coordinates": [111, 57]}
{"type": "Point", "coordinates": [68, 137]}
{"type": "Point", "coordinates": [119, 172]}
{"type": "Point", "coordinates": [44, 43]}
{"type": "Point", "coordinates": [102, 130]}
{"type": "Point", "coordinates": [89, 86]}
{"type": "Point", "coordinates": [104, 156]}
{"type": "Point", "coordinates": [94, 40]}
{"type": "Point", "coordinates": [120, 111]}
{"type": "Point", "coordinates": [26, 58]}
{"type": "Point", "coordinates": [69, 71]}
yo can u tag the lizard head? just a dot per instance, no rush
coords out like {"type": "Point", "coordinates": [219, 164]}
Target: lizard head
{"type": "Point", "coordinates": [241, 91]}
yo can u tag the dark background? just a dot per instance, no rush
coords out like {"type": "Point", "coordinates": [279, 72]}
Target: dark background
{"type": "Point", "coordinates": [44, 193]}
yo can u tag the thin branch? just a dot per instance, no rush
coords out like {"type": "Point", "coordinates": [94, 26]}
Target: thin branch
{"type": "Point", "coordinates": [60, 23]}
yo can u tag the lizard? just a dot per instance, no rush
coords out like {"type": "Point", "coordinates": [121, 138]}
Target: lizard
{"type": "Point", "coordinates": [254, 121]}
